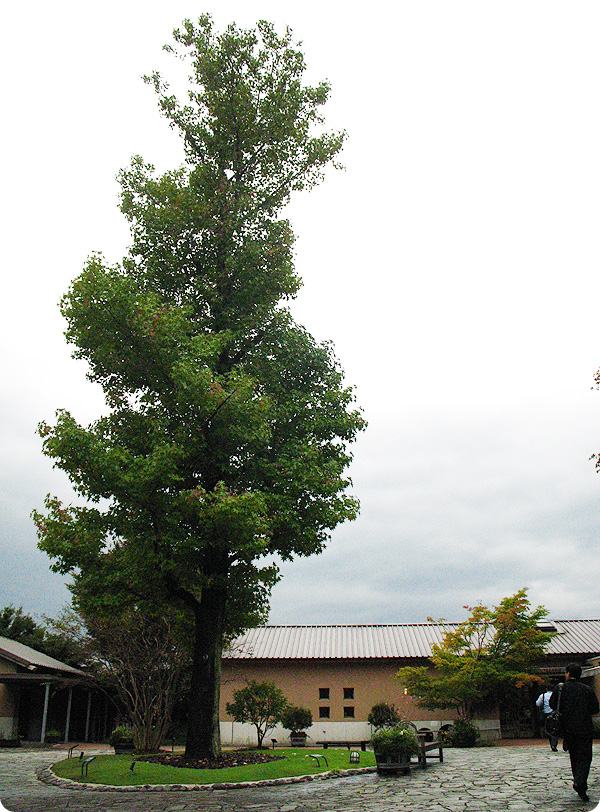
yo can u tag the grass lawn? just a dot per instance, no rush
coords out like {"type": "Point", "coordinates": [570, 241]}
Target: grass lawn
{"type": "Point", "coordinates": [115, 770]}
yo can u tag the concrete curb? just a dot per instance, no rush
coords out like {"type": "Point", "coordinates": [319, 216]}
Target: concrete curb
{"type": "Point", "coordinates": [48, 777]}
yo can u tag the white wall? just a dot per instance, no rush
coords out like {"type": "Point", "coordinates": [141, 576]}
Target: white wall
{"type": "Point", "coordinates": [243, 735]}
{"type": "Point", "coordinates": [6, 727]}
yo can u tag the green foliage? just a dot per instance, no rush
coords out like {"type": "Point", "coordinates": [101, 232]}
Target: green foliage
{"type": "Point", "coordinates": [383, 715]}
{"type": "Point", "coordinates": [463, 734]}
{"type": "Point", "coordinates": [120, 734]}
{"type": "Point", "coordinates": [261, 704]}
{"type": "Point", "coordinates": [228, 426]}
{"type": "Point", "coordinates": [390, 742]}
{"type": "Point", "coordinates": [491, 652]}
{"type": "Point", "coordinates": [54, 736]}
{"type": "Point", "coordinates": [47, 637]}
{"type": "Point", "coordinates": [16, 625]}
{"type": "Point", "coordinates": [296, 719]}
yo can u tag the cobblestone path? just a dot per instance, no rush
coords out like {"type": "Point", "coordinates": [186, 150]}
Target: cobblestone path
{"type": "Point", "coordinates": [492, 779]}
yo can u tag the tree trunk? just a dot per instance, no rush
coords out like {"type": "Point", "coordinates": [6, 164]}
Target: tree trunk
{"type": "Point", "coordinates": [203, 734]}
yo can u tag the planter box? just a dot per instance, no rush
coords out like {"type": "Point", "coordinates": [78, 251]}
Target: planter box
{"type": "Point", "coordinates": [124, 747]}
{"type": "Point", "coordinates": [392, 763]}
{"type": "Point", "coordinates": [10, 742]}
{"type": "Point", "coordinates": [298, 739]}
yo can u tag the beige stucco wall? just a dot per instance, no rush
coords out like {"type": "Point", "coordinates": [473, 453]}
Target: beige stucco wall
{"type": "Point", "coordinates": [300, 680]}
{"type": "Point", "coordinates": [8, 704]}
{"type": "Point", "coordinates": [373, 681]}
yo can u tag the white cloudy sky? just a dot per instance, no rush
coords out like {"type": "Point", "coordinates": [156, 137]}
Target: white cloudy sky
{"type": "Point", "coordinates": [454, 264]}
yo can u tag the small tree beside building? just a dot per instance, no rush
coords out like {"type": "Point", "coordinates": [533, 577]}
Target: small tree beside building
{"type": "Point", "coordinates": [491, 653]}
{"type": "Point", "coordinates": [383, 715]}
{"type": "Point", "coordinates": [261, 704]}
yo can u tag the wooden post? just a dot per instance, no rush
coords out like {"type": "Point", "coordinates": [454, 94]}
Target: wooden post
{"type": "Point", "coordinates": [68, 722]}
{"type": "Point", "coordinates": [87, 717]}
{"type": "Point", "coordinates": [45, 715]}
{"type": "Point", "coordinates": [105, 728]}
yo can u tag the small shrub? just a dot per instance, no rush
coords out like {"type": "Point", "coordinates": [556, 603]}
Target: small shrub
{"type": "Point", "coordinates": [383, 715]}
{"type": "Point", "coordinates": [120, 734]}
{"type": "Point", "coordinates": [297, 719]}
{"type": "Point", "coordinates": [463, 734]}
{"type": "Point", "coordinates": [54, 736]}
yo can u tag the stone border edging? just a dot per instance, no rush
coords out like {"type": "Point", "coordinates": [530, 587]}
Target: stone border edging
{"type": "Point", "coordinates": [48, 777]}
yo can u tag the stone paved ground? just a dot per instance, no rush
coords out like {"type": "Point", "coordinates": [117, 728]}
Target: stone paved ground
{"type": "Point", "coordinates": [493, 779]}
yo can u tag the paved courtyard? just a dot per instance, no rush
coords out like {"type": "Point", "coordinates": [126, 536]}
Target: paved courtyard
{"type": "Point", "coordinates": [493, 779]}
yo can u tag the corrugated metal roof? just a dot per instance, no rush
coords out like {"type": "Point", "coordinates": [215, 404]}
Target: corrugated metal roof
{"type": "Point", "coordinates": [29, 658]}
{"type": "Point", "coordinates": [396, 641]}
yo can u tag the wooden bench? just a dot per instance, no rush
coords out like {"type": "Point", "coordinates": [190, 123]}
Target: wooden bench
{"type": "Point", "coordinates": [426, 747]}
{"type": "Point", "coordinates": [348, 744]}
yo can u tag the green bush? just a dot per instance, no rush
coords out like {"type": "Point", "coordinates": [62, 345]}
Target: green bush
{"type": "Point", "coordinates": [296, 719]}
{"type": "Point", "coordinates": [389, 742]}
{"type": "Point", "coordinates": [463, 734]}
{"type": "Point", "coordinates": [54, 736]}
{"type": "Point", "coordinates": [120, 734]}
{"type": "Point", "coordinates": [383, 715]}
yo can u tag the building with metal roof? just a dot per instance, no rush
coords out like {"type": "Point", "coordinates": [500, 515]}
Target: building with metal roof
{"type": "Point", "coordinates": [340, 671]}
{"type": "Point", "coordinates": [39, 694]}
{"type": "Point", "coordinates": [36, 663]}
{"type": "Point", "coordinates": [577, 638]}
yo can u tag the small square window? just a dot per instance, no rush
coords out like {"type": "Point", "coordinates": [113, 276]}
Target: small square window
{"type": "Point", "coordinates": [323, 713]}
{"type": "Point", "coordinates": [348, 693]}
{"type": "Point", "coordinates": [348, 713]}
{"type": "Point", "coordinates": [323, 693]}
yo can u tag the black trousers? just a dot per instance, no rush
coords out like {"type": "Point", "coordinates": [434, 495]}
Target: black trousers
{"type": "Point", "coordinates": [580, 753]}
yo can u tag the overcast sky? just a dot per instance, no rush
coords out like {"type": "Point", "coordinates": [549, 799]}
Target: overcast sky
{"type": "Point", "coordinates": [454, 264]}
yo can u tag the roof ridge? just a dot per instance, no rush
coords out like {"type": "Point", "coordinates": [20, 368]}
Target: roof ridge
{"type": "Point", "coordinates": [384, 640]}
{"type": "Point", "coordinates": [357, 625]}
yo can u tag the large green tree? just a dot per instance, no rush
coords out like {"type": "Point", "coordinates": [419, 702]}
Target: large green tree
{"type": "Point", "coordinates": [492, 652]}
{"type": "Point", "coordinates": [227, 432]}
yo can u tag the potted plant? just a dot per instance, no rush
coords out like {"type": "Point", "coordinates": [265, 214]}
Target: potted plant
{"type": "Point", "coordinates": [296, 720]}
{"type": "Point", "coordinates": [53, 737]}
{"type": "Point", "coordinates": [8, 741]}
{"type": "Point", "coordinates": [122, 740]}
{"type": "Point", "coordinates": [393, 748]}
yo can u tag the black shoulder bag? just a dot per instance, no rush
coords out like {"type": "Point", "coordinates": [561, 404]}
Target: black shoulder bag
{"type": "Point", "coordinates": [553, 725]}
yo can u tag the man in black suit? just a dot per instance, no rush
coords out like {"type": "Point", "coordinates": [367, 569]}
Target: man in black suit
{"type": "Point", "coordinates": [578, 703]}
